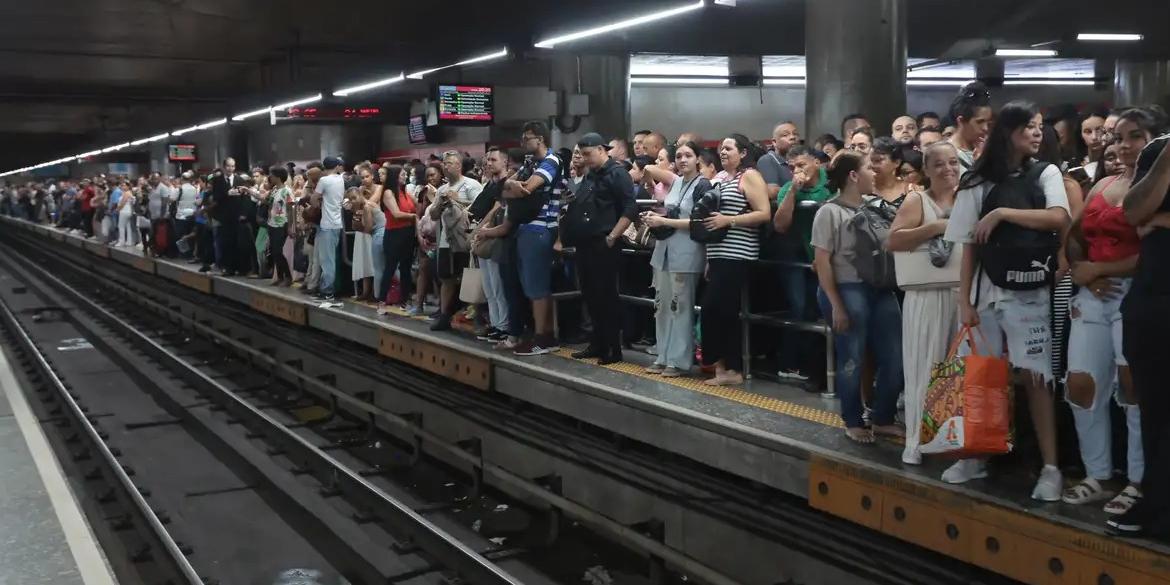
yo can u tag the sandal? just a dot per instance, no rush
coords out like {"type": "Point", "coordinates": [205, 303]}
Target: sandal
{"type": "Point", "coordinates": [860, 435]}
{"type": "Point", "coordinates": [724, 380]}
{"type": "Point", "coordinates": [1086, 492]}
{"type": "Point", "coordinates": [654, 369]}
{"type": "Point", "coordinates": [1124, 501]}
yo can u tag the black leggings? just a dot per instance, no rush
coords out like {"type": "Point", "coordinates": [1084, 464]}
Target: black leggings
{"type": "Point", "coordinates": [722, 337]}
{"type": "Point", "coordinates": [276, 237]}
{"type": "Point", "coordinates": [398, 250]}
{"type": "Point", "coordinates": [1144, 327]}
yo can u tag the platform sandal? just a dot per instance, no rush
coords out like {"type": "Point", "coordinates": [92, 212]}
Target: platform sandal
{"type": "Point", "coordinates": [1087, 491]}
{"type": "Point", "coordinates": [1124, 501]}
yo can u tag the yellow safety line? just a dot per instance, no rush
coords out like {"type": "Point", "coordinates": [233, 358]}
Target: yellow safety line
{"type": "Point", "coordinates": [824, 417]}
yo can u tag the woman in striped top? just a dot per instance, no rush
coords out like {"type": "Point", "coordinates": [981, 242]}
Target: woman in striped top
{"type": "Point", "coordinates": [743, 207]}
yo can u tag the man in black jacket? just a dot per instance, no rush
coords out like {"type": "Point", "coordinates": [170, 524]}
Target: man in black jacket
{"type": "Point", "coordinates": [605, 207]}
{"type": "Point", "coordinates": [226, 196]}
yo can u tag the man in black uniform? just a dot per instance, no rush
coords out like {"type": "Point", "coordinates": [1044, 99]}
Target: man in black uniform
{"type": "Point", "coordinates": [603, 207]}
{"type": "Point", "coordinates": [1145, 323]}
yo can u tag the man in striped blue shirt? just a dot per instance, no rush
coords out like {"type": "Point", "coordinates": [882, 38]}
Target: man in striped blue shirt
{"type": "Point", "coordinates": [535, 238]}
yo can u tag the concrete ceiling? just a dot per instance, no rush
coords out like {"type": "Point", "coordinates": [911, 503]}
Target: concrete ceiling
{"type": "Point", "coordinates": [78, 72]}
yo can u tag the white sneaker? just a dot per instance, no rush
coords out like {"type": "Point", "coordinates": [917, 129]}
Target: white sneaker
{"type": "Point", "coordinates": [1049, 485]}
{"type": "Point", "coordinates": [965, 470]}
{"type": "Point", "coordinates": [911, 456]}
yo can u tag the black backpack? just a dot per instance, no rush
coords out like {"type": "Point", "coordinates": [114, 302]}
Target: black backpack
{"type": "Point", "coordinates": [1015, 257]}
{"type": "Point", "coordinates": [526, 209]}
{"type": "Point", "coordinates": [586, 217]}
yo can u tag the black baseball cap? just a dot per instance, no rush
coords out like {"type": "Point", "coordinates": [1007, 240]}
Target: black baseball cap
{"type": "Point", "coordinates": [593, 139]}
{"type": "Point", "coordinates": [332, 162]}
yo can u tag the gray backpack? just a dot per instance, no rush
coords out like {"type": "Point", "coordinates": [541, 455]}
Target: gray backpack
{"type": "Point", "coordinates": [872, 259]}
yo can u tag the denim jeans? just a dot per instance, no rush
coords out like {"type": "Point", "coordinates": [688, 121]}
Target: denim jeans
{"type": "Point", "coordinates": [875, 322]}
{"type": "Point", "coordinates": [493, 289]}
{"type": "Point", "coordinates": [674, 318]}
{"type": "Point", "coordinates": [326, 249]}
{"type": "Point", "coordinates": [797, 347]}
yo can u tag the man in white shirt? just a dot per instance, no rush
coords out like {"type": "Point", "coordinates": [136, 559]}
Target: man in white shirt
{"type": "Point", "coordinates": [331, 188]}
{"type": "Point", "coordinates": [450, 212]}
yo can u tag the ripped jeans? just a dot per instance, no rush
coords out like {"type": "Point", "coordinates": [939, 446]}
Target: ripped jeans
{"type": "Point", "coordinates": [875, 323]}
{"type": "Point", "coordinates": [1094, 348]}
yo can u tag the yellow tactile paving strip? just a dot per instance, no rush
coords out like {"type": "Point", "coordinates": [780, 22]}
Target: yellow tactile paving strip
{"type": "Point", "coordinates": [824, 417]}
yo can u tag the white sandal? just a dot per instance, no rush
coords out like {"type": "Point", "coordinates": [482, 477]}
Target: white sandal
{"type": "Point", "coordinates": [1086, 492]}
{"type": "Point", "coordinates": [1124, 501]}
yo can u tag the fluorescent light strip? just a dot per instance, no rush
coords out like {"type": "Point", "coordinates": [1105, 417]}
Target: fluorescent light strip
{"type": "Point", "coordinates": [679, 80]}
{"type": "Point", "coordinates": [1049, 82]}
{"type": "Point", "coordinates": [246, 115]}
{"type": "Point", "coordinates": [791, 81]}
{"type": "Point", "coordinates": [89, 154]}
{"type": "Point", "coordinates": [1025, 53]}
{"type": "Point", "coordinates": [937, 82]}
{"type": "Point", "coordinates": [117, 147]}
{"type": "Point", "coordinates": [481, 58]}
{"type": "Point", "coordinates": [1110, 37]}
{"type": "Point", "coordinates": [183, 131]}
{"type": "Point", "coordinates": [552, 42]}
{"type": "Point", "coordinates": [154, 138]}
{"type": "Point", "coordinates": [345, 91]}
{"type": "Point", "coordinates": [296, 103]}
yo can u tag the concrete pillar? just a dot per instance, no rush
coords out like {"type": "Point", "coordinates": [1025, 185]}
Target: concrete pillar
{"type": "Point", "coordinates": [1138, 83]}
{"type": "Point", "coordinates": [605, 79]}
{"type": "Point", "coordinates": [856, 62]}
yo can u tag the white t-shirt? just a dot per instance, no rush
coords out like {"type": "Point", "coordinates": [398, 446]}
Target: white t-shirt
{"type": "Point", "coordinates": [965, 215]}
{"type": "Point", "coordinates": [463, 192]}
{"type": "Point", "coordinates": [331, 188]}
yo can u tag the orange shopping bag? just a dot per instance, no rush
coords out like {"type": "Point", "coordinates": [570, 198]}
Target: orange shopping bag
{"type": "Point", "coordinates": [968, 409]}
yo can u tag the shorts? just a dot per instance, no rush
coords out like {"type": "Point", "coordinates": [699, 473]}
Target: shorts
{"type": "Point", "coordinates": [450, 264]}
{"type": "Point", "coordinates": [1025, 323]}
{"type": "Point", "coordinates": [534, 258]}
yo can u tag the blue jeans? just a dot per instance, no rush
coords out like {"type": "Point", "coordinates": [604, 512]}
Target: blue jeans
{"type": "Point", "coordinates": [326, 250]}
{"type": "Point", "coordinates": [797, 348]}
{"type": "Point", "coordinates": [875, 322]}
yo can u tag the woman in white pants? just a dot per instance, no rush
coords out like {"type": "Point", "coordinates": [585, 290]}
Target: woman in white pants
{"type": "Point", "coordinates": [678, 263]}
{"type": "Point", "coordinates": [126, 225]}
{"type": "Point", "coordinates": [930, 314]}
{"type": "Point", "coordinates": [1103, 250]}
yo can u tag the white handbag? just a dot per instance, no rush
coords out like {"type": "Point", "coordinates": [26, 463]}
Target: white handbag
{"type": "Point", "coordinates": [915, 271]}
{"type": "Point", "coordinates": [471, 287]}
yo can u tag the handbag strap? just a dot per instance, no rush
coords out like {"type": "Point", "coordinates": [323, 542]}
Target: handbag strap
{"type": "Point", "coordinates": [965, 332]}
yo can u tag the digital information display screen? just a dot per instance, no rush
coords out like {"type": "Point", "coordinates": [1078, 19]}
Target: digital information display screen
{"type": "Point", "coordinates": [181, 152]}
{"type": "Point", "coordinates": [332, 113]}
{"type": "Point", "coordinates": [417, 129]}
{"type": "Point", "coordinates": [466, 104]}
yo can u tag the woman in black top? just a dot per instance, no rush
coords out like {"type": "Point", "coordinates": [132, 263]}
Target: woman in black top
{"type": "Point", "coordinates": [1146, 319]}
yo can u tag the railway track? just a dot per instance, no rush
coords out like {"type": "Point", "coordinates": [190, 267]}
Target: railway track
{"type": "Point", "coordinates": [293, 367]}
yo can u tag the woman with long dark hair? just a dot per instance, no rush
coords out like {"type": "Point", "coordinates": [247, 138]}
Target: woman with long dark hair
{"type": "Point", "coordinates": [743, 207]}
{"type": "Point", "coordinates": [427, 187]}
{"type": "Point", "coordinates": [862, 316]}
{"type": "Point", "coordinates": [399, 235]}
{"type": "Point", "coordinates": [1019, 316]}
{"type": "Point", "coordinates": [1103, 248]}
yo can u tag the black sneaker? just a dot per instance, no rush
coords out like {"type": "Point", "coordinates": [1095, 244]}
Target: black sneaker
{"type": "Point", "coordinates": [329, 298]}
{"type": "Point", "coordinates": [205, 268]}
{"type": "Point", "coordinates": [585, 354]}
{"type": "Point", "coordinates": [488, 334]}
{"type": "Point", "coordinates": [529, 348]}
{"type": "Point", "coordinates": [1131, 524]}
{"type": "Point", "coordinates": [497, 337]}
{"type": "Point", "coordinates": [442, 323]}
{"type": "Point", "coordinates": [613, 358]}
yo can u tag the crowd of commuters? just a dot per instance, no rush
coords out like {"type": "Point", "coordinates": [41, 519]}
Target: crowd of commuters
{"type": "Point", "coordinates": [1047, 235]}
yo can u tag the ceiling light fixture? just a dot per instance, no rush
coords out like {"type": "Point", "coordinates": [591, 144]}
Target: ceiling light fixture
{"type": "Point", "coordinates": [154, 138]}
{"type": "Point", "coordinates": [1064, 82]}
{"type": "Point", "coordinates": [1025, 53]}
{"type": "Point", "coordinates": [678, 80]}
{"type": "Point", "coordinates": [790, 81]}
{"type": "Point", "coordinates": [497, 55]}
{"type": "Point", "coordinates": [345, 91]}
{"type": "Point", "coordinates": [89, 154]}
{"type": "Point", "coordinates": [937, 82]}
{"type": "Point", "coordinates": [296, 103]}
{"type": "Point", "coordinates": [246, 115]}
{"type": "Point", "coordinates": [113, 148]}
{"type": "Point", "coordinates": [1110, 37]}
{"type": "Point", "coordinates": [183, 131]}
{"type": "Point", "coordinates": [552, 42]}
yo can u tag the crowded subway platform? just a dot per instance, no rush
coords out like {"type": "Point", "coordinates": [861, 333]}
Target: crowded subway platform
{"type": "Point", "coordinates": [916, 299]}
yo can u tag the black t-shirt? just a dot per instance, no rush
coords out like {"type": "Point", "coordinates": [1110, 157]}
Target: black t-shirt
{"type": "Point", "coordinates": [493, 191]}
{"type": "Point", "coordinates": [1153, 271]}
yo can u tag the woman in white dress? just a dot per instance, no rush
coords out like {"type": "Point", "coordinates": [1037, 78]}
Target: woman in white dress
{"type": "Point", "coordinates": [362, 272]}
{"type": "Point", "coordinates": [930, 314]}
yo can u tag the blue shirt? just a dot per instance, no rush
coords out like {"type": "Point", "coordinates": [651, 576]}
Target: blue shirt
{"type": "Point", "coordinates": [115, 197]}
{"type": "Point", "coordinates": [554, 186]}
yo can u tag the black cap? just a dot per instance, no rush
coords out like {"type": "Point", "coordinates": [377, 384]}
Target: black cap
{"type": "Point", "coordinates": [593, 139]}
{"type": "Point", "coordinates": [332, 162]}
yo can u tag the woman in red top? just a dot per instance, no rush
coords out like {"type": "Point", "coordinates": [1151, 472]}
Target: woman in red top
{"type": "Point", "coordinates": [398, 239]}
{"type": "Point", "coordinates": [1104, 248]}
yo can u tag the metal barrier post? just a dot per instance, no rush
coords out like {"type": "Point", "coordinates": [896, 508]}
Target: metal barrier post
{"type": "Point", "coordinates": [745, 328]}
{"type": "Point", "coordinates": [830, 365]}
